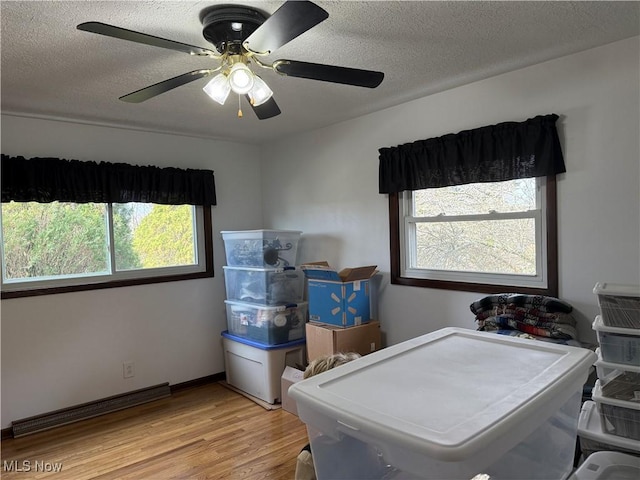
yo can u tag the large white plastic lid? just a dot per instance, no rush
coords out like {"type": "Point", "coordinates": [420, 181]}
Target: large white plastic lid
{"type": "Point", "coordinates": [449, 393]}
{"type": "Point", "coordinates": [590, 427]}
{"type": "Point", "coordinates": [599, 326]}
{"type": "Point", "coordinates": [608, 466]}
{"type": "Point", "coordinates": [619, 289]}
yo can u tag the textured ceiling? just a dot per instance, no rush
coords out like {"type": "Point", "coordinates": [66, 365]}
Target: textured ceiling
{"type": "Point", "coordinates": [51, 69]}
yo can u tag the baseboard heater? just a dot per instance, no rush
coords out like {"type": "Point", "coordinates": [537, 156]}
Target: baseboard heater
{"type": "Point", "coordinates": [89, 410]}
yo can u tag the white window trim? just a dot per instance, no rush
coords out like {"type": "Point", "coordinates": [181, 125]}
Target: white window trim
{"type": "Point", "coordinates": [408, 247]}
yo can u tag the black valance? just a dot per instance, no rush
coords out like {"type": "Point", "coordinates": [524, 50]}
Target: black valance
{"type": "Point", "coordinates": [51, 179]}
{"type": "Point", "coordinates": [495, 153]}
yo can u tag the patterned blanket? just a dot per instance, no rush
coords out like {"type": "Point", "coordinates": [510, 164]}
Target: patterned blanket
{"type": "Point", "coordinates": [536, 315]}
{"type": "Point", "coordinates": [561, 341]}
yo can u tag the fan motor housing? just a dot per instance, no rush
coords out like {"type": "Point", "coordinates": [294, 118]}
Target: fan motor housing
{"type": "Point", "coordinates": [226, 27]}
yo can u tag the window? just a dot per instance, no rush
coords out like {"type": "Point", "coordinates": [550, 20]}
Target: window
{"type": "Point", "coordinates": [476, 210]}
{"type": "Point", "coordinates": [68, 225]}
{"type": "Point", "coordinates": [483, 237]}
{"type": "Point", "coordinates": [61, 246]}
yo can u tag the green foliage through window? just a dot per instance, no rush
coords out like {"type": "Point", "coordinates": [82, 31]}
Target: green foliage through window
{"type": "Point", "coordinates": [49, 241]}
{"type": "Point", "coordinates": [53, 239]}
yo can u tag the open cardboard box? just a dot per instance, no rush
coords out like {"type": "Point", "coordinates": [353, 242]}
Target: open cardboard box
{"type": "Point", "coordinates": [341, 298]}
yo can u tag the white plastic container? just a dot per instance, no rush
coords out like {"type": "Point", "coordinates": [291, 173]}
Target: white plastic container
{"type": "Point", "coordinates": [617, 380]}
{"type": "Point", "coordinates": [448, 405]}
{"type": "Point", "coordinates": [266, 324]}
{"type": "Point", "coordinates": [619, 304]}
{"type": "Point", "coordinates": [617, 344]}
{"type": "Point", "coordinates": [594, 439]}
{"type": "Point", "coordinates": [261, 248]}
{"type": "Point", "coordinates": [256, 369]}
{"type": "Point", "coordinates": [609, 466]}
{"type": "Point", "coordinates": [619, 417]}
{"type": "Point", "coordinates": [265, 286]}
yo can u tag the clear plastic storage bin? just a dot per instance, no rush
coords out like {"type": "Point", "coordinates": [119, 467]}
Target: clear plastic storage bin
{"type": "Point", "coordinates": [594, 439]}
{"type": "Point", "coordinates": [265, 324]}
{"type": "Point", "coordinates": [619, 304]}
{"type": "Point", "coordinates": [619, 417]}
{"type": "Point", "coordinates": [451, 404]}
{"type": "Point", "coordinates": [617, 344]}
{"type": "Point", "coordinates": [618, 381]}
{"type": "Point", "coordinates": [608, 466]}
{"type": "Point", "coordinates": [266, 286]}
{"type": "Point", "coordinates": [261, 248]}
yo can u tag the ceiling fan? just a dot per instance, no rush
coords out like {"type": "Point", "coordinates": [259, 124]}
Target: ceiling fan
{"type": "Point", "coordinates": [241, 35]}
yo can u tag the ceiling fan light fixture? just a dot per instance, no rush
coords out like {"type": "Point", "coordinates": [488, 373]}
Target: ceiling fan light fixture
{"type": "Point", "coordinates": [218, 88]}
{"type": "Point", "coordinates": [260, 92]}
{"type": "Point", "coordinates": [240, 36]}
{"type": "Point", "coordinates": [241, 78]}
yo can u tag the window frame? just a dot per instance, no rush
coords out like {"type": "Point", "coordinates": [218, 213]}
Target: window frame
{"type": "Point", "coordinates": [397, 252]}
{"type": "Point", "coordinates": [125, 278]}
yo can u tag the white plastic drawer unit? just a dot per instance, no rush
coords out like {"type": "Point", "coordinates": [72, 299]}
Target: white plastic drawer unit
{"type": "Point", "coordinates": [618, 344]}
{"type": "Point", "coordinates": [609, 466]}
{"type": "Point", "coordinates": [619, 304]}
{"type": "Point", "coordinates": [448, 405]}
{"type": "Point", "coordinates": [594, 439]}
{"type": "Point", "coordinates": [619, 416]}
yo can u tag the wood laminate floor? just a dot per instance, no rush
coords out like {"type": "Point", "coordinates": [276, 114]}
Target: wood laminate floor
{"type": "Point", "coordinates": [205, 432]}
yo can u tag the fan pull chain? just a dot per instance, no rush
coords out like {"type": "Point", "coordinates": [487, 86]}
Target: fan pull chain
{"type": "Point", "coordinates": [239, 108]}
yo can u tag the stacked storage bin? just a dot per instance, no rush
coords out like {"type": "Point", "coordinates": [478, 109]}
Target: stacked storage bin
{"type": "Point", "coordinates": [404, 412]}
{"type": "Point", "coordinates": [266, 314]}
{"type": "Point", "coordinates": [611, 421]}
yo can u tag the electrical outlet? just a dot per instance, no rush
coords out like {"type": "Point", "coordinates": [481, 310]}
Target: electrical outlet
{"type": "Point", "coordinates": [127, 370]}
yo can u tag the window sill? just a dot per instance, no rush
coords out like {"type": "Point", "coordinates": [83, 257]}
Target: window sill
{"type": "Point", "coordinates": [111, 284]}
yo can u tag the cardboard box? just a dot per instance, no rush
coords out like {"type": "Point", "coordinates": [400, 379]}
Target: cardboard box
{"type": "Point", "coordinates": [328, 339]}
{"type": "Point", "coordinates": [338, 298]}
{"type": "Point", "coordinates": [289, 377]}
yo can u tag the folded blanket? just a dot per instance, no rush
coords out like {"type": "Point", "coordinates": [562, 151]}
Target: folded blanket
{"type": "Point", "coordinates": [561, 341]}
{"type": "Point", "coordinates": [531, 315]}
{"type": "Point", "coordinates": [537, 315]}
{"type": "Point", "coordinates": [539, 302]}
{"type": "Point", "coordinates": [565, 330]}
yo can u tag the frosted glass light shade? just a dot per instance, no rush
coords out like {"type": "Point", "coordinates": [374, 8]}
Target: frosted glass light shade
{"type": "Point", "coordinates": [260, 92]}
{"type": "Point", "coordinates": [218, 88]}
{"type": "Point", "coordinates": [241, 78]}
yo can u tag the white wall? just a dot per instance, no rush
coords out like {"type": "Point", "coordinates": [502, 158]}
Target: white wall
{"type": "Point", "coordinates": [331, 175]}
{"type": "Point", "coordinates": [66, 349]}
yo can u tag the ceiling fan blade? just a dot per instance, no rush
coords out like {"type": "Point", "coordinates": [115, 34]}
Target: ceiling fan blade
{"type": "Point", "coordinates": [292, 19]}
{"type": "Point", "coordinates": [329, 73]}
{"type": "Point", "coordinates": [124, 34]}
{"type": "Point", "coordinates": [267, 110]}
{"type": "Point", "coordinates": [161, 87]}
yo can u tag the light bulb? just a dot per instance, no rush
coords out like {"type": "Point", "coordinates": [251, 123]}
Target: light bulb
{"type": "Point", "coordinates": [240, 78]}
{"type": "Point", "coordinates": [260, 92]}
{"type": "Point", "coordinates": [218, 88]}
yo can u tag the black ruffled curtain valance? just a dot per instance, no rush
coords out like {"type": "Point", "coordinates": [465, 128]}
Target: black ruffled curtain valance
{"type": "Point", "coordinates": [47, 180]}
{"type": "Point", "coordinates": [495, 153]}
